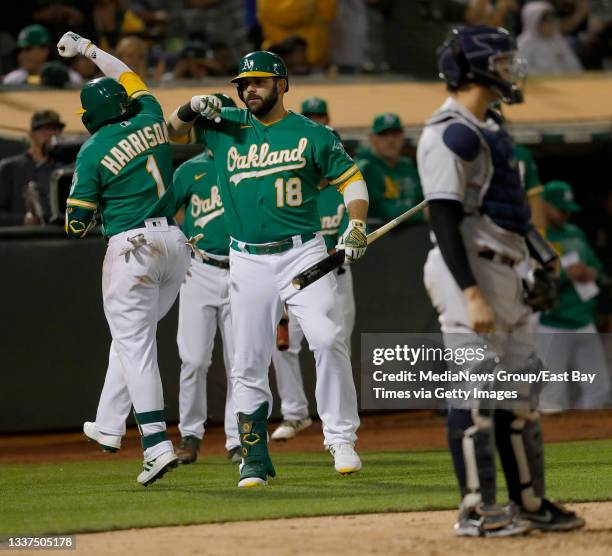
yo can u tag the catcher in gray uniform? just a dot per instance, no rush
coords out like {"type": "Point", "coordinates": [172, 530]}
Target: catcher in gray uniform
{"type": "Point", "coordinates": [481, 224]}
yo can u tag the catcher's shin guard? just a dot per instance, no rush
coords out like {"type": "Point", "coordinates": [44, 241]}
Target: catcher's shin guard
{"type": "Point", "coordinates": [256, 463]}
{"type": "Point", "coordinates": [470, 439]}
{"type": "Point", "coordinates": [519, 443]}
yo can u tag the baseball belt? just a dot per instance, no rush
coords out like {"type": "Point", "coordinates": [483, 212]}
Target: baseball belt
{"type": "Point", "coordinates": [269, 248]}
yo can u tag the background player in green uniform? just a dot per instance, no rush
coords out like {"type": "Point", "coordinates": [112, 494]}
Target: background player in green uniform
{"type": "Point", "coordinates": [393, 180]}
{"type": "Point", "coordinates": [203, 302]}
{"type": "Point", "coordinates": [580, 347]}
{"type": "Point", "coordinates": [315, 109]}
{"type": "Point", "coordinates": [269, 163]}
{"type": "Point", "coordinates": [121, 172]}
{"type": "Point", "coordinates": [530, 176]}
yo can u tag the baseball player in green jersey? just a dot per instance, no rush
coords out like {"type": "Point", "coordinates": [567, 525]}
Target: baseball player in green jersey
{"type": "Point", "coordinates": [393, 180]}
{"type": "Point", "coordinates": [315, 109]}
{"type": "Point", "coordinates": [203, 301]}
{"type": "Point", "coordinates": [579, 346]}
{"type": "Point", "coordinates": [289, 383]}
{"type": "Point", "coordinates": [269, 164]}
{"type": "Point", "coordinates": [532, 184]}
{"type": "Point", "coordinates": [121, 171]}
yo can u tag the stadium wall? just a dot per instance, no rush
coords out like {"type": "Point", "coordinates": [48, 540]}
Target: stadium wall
{"type": "Point", "coordinates": [55, 338]}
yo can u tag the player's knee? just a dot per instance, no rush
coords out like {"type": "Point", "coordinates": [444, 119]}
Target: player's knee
{"type": "Point", "coordinates": [326, 336]}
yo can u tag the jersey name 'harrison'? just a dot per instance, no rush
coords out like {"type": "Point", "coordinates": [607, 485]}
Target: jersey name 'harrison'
{"type": "Point", "coordinates": [136, 143]}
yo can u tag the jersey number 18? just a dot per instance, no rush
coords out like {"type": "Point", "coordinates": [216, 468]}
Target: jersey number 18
{"type": "Point", "coordinates": [289, 193]}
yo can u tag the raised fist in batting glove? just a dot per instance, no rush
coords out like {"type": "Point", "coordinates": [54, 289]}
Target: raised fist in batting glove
{"type": "Point", "coordinates": [354, 241]}
{"type": "Point", "coordinates": [208, 106]}
{"type": "Point", "coordinates": [71, 45]}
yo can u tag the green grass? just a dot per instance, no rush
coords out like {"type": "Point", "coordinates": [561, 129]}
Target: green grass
{"type": "Point", "coordinates": [98, 496]}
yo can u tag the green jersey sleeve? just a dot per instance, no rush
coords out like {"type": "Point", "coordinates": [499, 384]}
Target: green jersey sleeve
{"type": "Point", "coordinates": [528, 169]}
{"type": "Point", "coordinates": [334, 162]}
{"type": "Point", "coordinates": [85, 189]}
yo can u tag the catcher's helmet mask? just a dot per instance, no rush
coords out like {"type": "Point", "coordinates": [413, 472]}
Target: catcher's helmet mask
{"type": "Point", "coordinates": [485, 56]}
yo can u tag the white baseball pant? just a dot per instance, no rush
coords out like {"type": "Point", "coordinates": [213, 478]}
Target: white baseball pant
{"type": "Point", "coordinates": [139, 286]}
{"type": "Point", "coordinates": [573, 350]}
{"type": "Point", "coordinates": [294, 404]}
{"type": "Point", "coordinates": [203, 307]}
{"type": "Point", "coordinates": [259, 286]}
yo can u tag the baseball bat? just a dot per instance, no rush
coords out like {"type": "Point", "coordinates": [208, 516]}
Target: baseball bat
{"type": "Point", "coordinates": [333, 261]}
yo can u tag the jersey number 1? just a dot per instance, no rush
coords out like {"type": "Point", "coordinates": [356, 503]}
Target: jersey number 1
{"type": "Point", "coordinates": [153, 169]}
{"type": "Point", "coordinates": [291, 194]}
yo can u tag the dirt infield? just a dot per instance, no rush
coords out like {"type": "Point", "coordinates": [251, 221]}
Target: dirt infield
{"type": "Point", "coordinates": [400, 431]}
{"type": "Point", "coordinates": [422, 533]}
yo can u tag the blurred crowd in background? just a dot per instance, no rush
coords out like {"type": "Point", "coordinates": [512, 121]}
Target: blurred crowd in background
{"type": "Point", "coordinates": [168, 40]}
{"type": "Point", "coordinates": [171, 40]}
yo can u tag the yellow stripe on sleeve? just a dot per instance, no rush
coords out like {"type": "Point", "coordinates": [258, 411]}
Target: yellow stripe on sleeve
{"type": "Point", "coordinates": [133, 84]}
{"type": "Point", "coordinates": [346, 175]}
{"type": "Point", "coordinates": [355, 177]}
{"type": "Point", "coordinates": [79, 203]}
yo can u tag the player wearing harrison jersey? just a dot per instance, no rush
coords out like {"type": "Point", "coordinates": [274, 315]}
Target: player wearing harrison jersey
{"type": "Point", "coordinates": [121, 172]}
{"type": "Point", "coordinates": [269, 164]}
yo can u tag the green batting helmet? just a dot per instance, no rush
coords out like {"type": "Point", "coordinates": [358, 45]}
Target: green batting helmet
{"type": "Point", "coordinates": [262, 63]}
{"type": "Point", "coordinates": [103, 101]}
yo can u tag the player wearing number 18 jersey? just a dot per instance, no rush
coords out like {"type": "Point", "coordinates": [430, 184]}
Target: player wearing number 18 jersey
{"type": "Point", "coordinates": [269, 164]}
{"type": "Point", "coordinates": [120, 173]}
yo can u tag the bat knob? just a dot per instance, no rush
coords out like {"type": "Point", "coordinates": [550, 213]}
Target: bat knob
{"type": "Point", "coordinates": [297, 283]}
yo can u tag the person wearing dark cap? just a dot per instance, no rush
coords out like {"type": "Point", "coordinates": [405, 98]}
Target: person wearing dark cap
{"type": "Point", "coordinates": [33, 50]}
{"type": "Point", "coordinates": [393, 180]}
{"type": "Point", "coordinates": [24, 179]}
{"type": "Point", "coordinates": [315, 109]}
{"type": "Point", "coordinates": [192, 62]}
{"type": "Point", "coordinates": [579, 346]}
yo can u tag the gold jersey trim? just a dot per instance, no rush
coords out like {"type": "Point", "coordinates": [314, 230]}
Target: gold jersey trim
{"type": "Point", "coordinates": [344, 176]}
{"type": "Point", "coordinates": [133, 84]}
{"type": "Point", "coordinates": [79, 203]}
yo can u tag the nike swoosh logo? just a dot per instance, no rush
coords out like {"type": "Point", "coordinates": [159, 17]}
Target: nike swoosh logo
{"type": "Point", "coordinates": [245, 126]}
{"type": "Point", "coordinates": [546, 518]}
{"type": "Point", "coordinates": [200, 176]}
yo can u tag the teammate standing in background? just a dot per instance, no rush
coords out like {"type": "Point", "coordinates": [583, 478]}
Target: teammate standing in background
{"type": "Point", "coordinates": [530, 176]}
{"type": "Point", "coordinates": [393, 180]}
{"type": "Point", "coordinates": [579, 345]}
{"type": "Point", "coordinates": [480, 219]}
{"type": "Point", "coordinates": [334, 220]}
{"type": "Point", "coordinates": [315, 109]}
{"type": "Point", "coordinates": [203, 301]}
{"type": "Point", "coordinates": [269, 163]}
{"type": "Point", "coordinates": [121, 171]}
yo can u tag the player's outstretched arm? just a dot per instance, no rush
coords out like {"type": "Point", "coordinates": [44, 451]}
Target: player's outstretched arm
{"type": "Point", "coordinates": [182, 119]}
{"type": "Point", "coordinates": [71, 45]}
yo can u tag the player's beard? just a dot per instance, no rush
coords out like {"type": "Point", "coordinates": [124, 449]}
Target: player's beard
{"type": "Point", "coordinates": [265, 106]}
